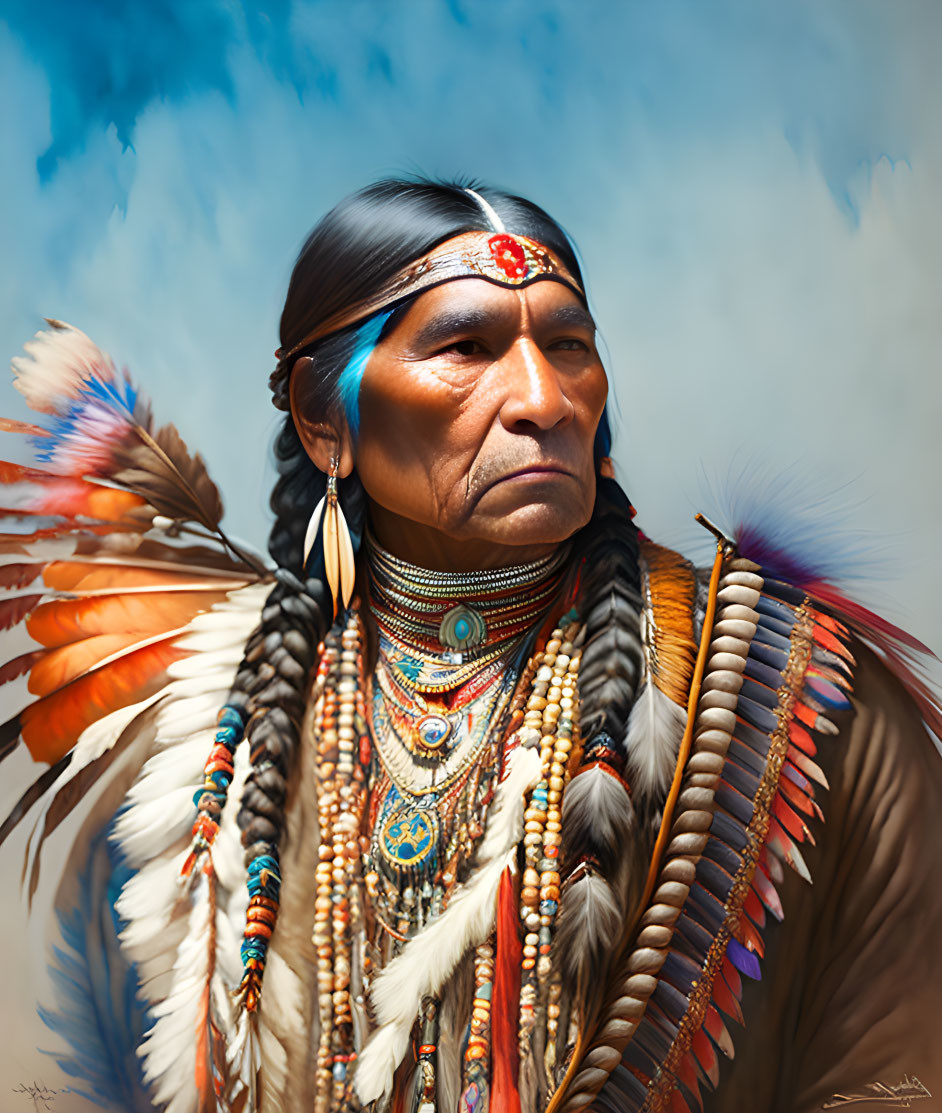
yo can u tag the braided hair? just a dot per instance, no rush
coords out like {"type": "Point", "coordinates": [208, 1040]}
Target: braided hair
{"type": "Point", "coordinates": [349, 256]}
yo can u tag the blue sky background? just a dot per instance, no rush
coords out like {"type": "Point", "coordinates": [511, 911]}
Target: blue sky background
{"type": "Point", "coordinates": [753, 186]}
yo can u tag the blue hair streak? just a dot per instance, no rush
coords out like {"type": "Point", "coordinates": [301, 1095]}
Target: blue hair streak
{"type": "Point", "coordinates": [365, 340]}
{"type": "Point", "coordinates": [603, 436]}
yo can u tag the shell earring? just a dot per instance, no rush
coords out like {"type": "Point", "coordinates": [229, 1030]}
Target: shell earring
{"type": "Point", "coordinates": [339, 566]}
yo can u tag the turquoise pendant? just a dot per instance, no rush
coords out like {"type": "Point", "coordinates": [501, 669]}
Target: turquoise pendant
{"type": "Point", "coordinates": [462, 628]}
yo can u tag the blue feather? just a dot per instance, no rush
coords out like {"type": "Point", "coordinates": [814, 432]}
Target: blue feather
{"type": "Point", "coordinates": [97, 1010]}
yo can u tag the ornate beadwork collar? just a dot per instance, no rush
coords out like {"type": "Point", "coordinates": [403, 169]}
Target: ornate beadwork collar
{"type": "Point", "coordinates": [438, 628]}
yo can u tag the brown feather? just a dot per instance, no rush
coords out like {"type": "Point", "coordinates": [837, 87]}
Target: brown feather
{"type": "Point", "coordinates": [161, 469]}
{"type": "Point", "coordinates": [75, 790]}
{"type": "Point", "coordinates": [20, 665]}
{"type": "Point", "coordinates": [19, 574]}
{"type": "Point", "coordinates": [36, 790]}
{"type": "Point", "coordinates": [13, 611]}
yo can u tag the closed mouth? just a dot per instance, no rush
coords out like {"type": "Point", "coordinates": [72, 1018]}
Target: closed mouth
{"type": "Point", "coordinates": [534, 470]}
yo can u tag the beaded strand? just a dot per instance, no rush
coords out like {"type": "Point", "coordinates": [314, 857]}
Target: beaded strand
{"type": "Point", "coordinates": [476, 1066]}
{"type": "Point", "coordinates": [218, 772]}
{"type": "Point", "coordinates": [552, 709]}
{"type": "Point", "coordinates": [343, 753]}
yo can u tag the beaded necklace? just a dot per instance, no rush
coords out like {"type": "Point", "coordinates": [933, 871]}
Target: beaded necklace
{"type": "Point", "coordinates": [441, 627]}
{"type": "Point", "coordinates": [400, 812]}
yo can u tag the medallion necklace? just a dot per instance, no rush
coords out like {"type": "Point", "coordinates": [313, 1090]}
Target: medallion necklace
{"type": "Point", "coordinates": [408, 761]}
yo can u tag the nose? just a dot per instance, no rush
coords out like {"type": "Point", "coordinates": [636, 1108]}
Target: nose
{"type": "Point", "coordinates": [533, 397]}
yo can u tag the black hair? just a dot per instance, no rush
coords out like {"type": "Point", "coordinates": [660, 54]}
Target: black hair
{"type": "Point", "coordinates": [349, 256]}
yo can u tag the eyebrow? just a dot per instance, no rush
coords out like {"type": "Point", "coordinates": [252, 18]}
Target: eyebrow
{"type": "Point", "coordinates": [454, 322]}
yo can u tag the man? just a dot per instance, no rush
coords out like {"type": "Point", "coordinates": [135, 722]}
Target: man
{"type": "Point", "coordinates": [520, 793]}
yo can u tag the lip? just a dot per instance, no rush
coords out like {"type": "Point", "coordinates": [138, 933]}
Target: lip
{"type": "Point", "coordinates": [533, 471]}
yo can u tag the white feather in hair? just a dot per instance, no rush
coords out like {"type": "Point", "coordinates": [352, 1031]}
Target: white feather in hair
{"type": "Point", "coordinates": [655, 729]}
{"type": "Point", "coordinates": [598, 821]}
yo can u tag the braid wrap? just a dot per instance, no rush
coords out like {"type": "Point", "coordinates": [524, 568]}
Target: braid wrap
{"type": "Point", "coordinates": [272, 684]}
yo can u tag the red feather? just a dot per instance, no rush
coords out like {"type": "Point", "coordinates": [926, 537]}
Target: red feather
{"type": "Point", "coordinates": [726, 1000]}
{"type": "Point", "coordinates": [706, 1056]}
{"type": "Point", "coordinates": [799, 734]}
{"type": "Point", "coordinates": [794, 795]}
{"type": "Point", "coordinates": [752, 906]}
{"type": "Point", "coordinates": [870, 624]}
{"type": "Point", "coordinates": [713, 1023]}
{"type": "Point", "coordinates": [504, 1093]}
{"type": "Point", "coordinates": [791, 822]}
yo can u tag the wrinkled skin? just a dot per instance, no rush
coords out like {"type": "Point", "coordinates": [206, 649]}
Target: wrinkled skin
{"type": "Point", "coordinates": [478, 415]}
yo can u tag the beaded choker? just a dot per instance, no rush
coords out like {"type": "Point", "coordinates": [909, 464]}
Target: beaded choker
{"type": "Point", "coordinates": [441, 625]}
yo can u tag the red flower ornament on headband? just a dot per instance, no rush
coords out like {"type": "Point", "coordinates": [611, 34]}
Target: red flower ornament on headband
{"type": "Point", "coordinates": [509, 256]}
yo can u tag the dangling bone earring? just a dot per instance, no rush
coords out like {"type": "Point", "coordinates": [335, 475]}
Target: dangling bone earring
{"type": "Point", "coordinates": [338, 549]}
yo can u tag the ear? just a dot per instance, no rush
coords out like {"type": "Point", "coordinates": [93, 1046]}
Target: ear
{"type": "Point", "coordinates": [325, 439]}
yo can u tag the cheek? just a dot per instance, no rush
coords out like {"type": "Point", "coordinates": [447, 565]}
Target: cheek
{"type": "Point", "coordinates": [414, 443]}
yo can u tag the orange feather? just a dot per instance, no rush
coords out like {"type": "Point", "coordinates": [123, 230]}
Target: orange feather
{"type": "Point", "coordinates": [59, 666]}
{"type": "Point", "coordinates": [75, 575]}
{"type": "Point", "coordinates": [62, 621]}
{"type": "Point", "coordinates": [20, 473]}
{"type": "Point", "coordinates": [51, 726]}
{"type": "Point", "coordinates": [72, 497]}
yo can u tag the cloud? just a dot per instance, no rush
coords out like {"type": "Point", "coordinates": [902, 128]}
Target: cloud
{"type": "Point", "coordinates": [752, 187]}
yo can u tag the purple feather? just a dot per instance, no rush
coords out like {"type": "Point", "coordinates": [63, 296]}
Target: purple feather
{"type": "Point", "coordinates": [744, 961]}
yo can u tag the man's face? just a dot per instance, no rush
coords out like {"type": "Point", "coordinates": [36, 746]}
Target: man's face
{"type": "Point", "coordinates": [478, 415]}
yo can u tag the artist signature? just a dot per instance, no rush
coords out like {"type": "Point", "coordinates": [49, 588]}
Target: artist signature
{"type": "Point", "coordinates": [41, 1096]}
{"type": "Point", "coordinates": [902, 1094]}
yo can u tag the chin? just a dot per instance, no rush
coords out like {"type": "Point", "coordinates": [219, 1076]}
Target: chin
{"type": "Point", "coordinates": [537, 524]}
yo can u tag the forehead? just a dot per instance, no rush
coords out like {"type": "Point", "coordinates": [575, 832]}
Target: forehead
{"type": "Point", "coordinates": [478, 302]}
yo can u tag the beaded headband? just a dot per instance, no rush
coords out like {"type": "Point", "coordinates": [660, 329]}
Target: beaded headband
{"type": "Point", "coordinates": [503, 258]}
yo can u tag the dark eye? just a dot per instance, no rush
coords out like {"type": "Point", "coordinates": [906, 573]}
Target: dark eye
{"type": "Point", "coordinates": [569, 344]}
{"type": "Point", "coordinates": [464, 348]}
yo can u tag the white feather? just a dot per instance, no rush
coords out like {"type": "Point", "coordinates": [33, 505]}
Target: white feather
{"type": "Point", "coordinates": [429, 959]}
{"type": "Point", "coordinates": [56, 363]}
{"type": "Point", "coordinates": [313, 526]}
{"type": "Point", "coordinates": [655, 728]}
{"type": "Point", "coordinates": [167, 932]}
{"type": "Point", "coordinates": [288, 1009]}
{"type": "Point", "coordinates": [169, 1048]}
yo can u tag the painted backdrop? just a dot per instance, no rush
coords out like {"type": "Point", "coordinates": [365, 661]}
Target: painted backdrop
{"type": "Point", "coordinates": [753, 186]}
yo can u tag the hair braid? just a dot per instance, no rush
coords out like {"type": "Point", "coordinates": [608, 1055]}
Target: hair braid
{"type": "Point", "coordinates": [611, 606]}
{"type": "Point", "coordinates": [271, 684]}
{"type": "Point", "coordinates": [602, 858]}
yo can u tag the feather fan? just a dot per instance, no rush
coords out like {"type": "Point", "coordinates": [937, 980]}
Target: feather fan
{"type": "Point", "coordinates": [130, 637]}
{"type": "Point", "coordinates": [98, 601]}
